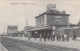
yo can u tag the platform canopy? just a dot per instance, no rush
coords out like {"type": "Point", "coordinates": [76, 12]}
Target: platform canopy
{"type": "Point", "coordinates": [77, 27]}
{"type": "Point", "coordinates": [41, 28]}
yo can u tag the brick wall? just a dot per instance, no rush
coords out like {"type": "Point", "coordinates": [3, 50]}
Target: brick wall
{"type": "Point", "coordinates": [39, 20]}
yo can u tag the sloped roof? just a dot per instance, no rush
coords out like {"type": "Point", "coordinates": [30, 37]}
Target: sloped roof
{"type": "Point", "coordinates": [72, 24]}
{"type": "Point", "coordinates": [28, 27]}
{"type": "Point", "coordinates": [12, 27]}
{"type": "Point", "coordinates": [71, 27]}
{"type": "Point", "coordinates": [54, 12]}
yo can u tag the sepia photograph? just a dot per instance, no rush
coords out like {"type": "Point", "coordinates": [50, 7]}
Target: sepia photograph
{"type": "Point", "coordinates": [39, 25]}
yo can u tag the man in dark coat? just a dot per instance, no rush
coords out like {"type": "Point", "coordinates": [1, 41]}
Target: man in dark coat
{"type": "Point", "coordinates": [53, 37]}
{"type": "Point", "coordinates": [62, 37]}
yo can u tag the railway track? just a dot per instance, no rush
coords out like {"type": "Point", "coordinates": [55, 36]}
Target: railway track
{"type": "Point", "coordinates": [20, 45]}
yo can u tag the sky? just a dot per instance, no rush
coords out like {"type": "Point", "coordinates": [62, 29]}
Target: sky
{"type": "Point", "coordinates": [15, 12]}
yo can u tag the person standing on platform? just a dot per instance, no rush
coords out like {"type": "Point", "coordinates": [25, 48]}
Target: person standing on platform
{"type": "Point", "coordinates": [74, 35]}
{"type": "Point", "coordinates": [29, 36]}
{"type": "Point", "coordinates": [48, 37]}
{"type": "Point", "coordinates": [62, 37]}
{"type": "Point", "coordinates": [67, 37]}
{"type": "Point", "coordinates": [58, 36]}
{"type": "Point", "coordinates": [40, 37]}
{"type": "Point", "coordinates": [53, 36]}
{"type": "Point", "coordinates": [35, 36]}
{"type": "Point", "coordinates": [44, 37]}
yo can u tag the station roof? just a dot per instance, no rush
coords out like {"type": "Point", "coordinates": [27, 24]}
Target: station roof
{"type": "Point", "coordinates": [71, 24]}
{"type": "Point", "coordinates": [53, 12]}
{"type": "Point", "coordinates": [40, 28]}
{"type": "Point", "coordinates": [21, 32]}
{"type": "Point", "coordinates": [12, 27]}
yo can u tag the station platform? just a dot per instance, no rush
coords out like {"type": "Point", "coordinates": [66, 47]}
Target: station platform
{"type": "Point", "coordinates": [71, 43]}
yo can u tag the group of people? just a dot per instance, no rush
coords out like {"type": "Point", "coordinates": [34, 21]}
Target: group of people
{"type": "Point", "coordinates": [62, 36]}
{"type": "Point", "coordinates": [59, 37]}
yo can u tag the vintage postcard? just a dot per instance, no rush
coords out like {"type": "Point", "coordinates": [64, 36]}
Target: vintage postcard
{"type": "Point", "coordinates": [39, 25]}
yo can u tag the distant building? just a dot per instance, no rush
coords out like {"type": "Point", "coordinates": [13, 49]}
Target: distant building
{"type": "Point", "coordinates": [12, 30]}
{"type": "Point", "coordinates": [27, 28]}
{"type": "Point", "coordinates": [20, 33]}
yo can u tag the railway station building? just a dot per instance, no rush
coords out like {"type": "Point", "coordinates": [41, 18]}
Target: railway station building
{"type": "Point", "coordinates": [49, 22]}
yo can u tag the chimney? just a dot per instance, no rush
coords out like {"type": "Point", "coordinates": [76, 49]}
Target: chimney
{"type": "Point", "coordinates": [51, 7]}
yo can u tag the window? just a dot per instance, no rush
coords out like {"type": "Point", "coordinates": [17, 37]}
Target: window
{"type": "Point", "coordinates": [42, 22]}
{"type": "Point", "coordinates": [57, 16]}
{"type": "Point", "coordinates": [37, 22]}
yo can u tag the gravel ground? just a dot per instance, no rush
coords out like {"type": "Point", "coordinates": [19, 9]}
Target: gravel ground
{"type": "Point", "coordinates": [1, 48]}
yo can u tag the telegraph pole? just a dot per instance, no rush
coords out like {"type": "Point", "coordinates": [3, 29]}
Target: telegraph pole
{"type": "Point", "coordinates": [4, 31]}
